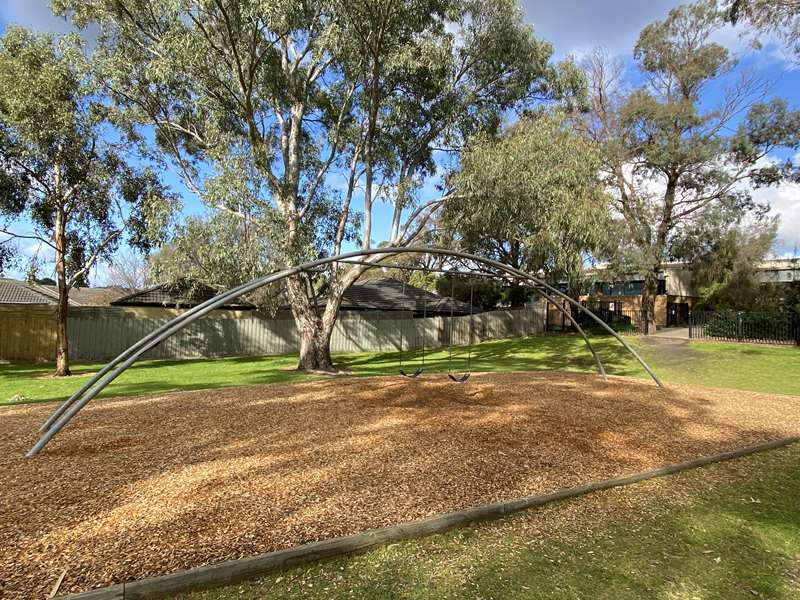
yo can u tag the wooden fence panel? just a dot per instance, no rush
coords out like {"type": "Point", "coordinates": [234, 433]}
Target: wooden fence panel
{"type": "Point", "coordinates": [101, 333]}
{"type": "Point", "coordinates": [27, 332]}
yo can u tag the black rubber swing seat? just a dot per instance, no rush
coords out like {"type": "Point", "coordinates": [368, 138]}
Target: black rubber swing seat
{"type": "Point", "coordinates": [461, 379]}
{"type": "Point", "coordinates": [413, 375]}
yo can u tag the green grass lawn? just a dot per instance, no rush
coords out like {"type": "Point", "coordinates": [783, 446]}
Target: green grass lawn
{"type": "Point", "coordinates": [743, 366]}
{"type": "Point", "coordinates": [727, 531]}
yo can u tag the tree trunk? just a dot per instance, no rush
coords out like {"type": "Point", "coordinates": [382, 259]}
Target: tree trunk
{"type": "Point", "coordinates": [62, 342]}
{"type": "Point", "coordinates": [313, 329]}
{"type": "Point", "coordinates": [314, 324]}
{"type": "Point", "coordinates": [648, 304]}
{"type": "Point", "coordinates": [315, 349]}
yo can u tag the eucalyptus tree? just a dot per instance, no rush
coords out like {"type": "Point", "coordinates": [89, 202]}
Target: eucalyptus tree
{"type": "Point", "coordinates": [318, 108]}
{"type": "Point", "coordinates": [219, 250]}
{"type": "Point", "coordinates": [532, 198]}
{"type": "Point", "coordinates": [672, 157]}
{"type": "Point", "coordinates": [771, 17]}
{"type": "Point", "coordinates": [64, 183]}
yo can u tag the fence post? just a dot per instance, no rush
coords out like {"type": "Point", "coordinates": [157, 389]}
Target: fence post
{"type": "Point", "coordinates": [739, 326]}
{"type": "Point", "coordinates": [690, 325]}
{"type": "Point", "coordinates": [796, 324]}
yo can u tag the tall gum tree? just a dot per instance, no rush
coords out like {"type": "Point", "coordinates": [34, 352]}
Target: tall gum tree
{"type": "Point", "coordinates": [550, 217]}
{"type": "Point", "coordinates": [64, 183]}
{"type": "Point", "coordinates": [672, 158]}
{"type": "Point", "coordinates": [319, 106]}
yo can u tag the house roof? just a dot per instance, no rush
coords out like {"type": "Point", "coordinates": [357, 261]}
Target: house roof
{"type": "Point", "coordinates": [13, 291]}
{"type": "Point", "coordinates": [97, 296]}
{"type": "Point", "coordinates": [390, 294]}
{"type": "Point", "coordinates": [18, 292]}
{"type": "Point", "coordinates": [183, 296]}
{"type": "Point", "coordinates": [376, 294]}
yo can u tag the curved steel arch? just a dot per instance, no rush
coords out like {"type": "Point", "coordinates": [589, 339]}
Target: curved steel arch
{"type": "Point", "coordinates": [75, 403]}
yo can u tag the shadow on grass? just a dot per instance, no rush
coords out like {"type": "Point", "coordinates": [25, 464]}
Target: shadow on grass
{"type": "Point", "coordinates": [562, 352]}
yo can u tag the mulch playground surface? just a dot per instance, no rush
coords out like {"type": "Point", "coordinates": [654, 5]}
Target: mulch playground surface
{"type": "Point", "coordinates": [137, 487]}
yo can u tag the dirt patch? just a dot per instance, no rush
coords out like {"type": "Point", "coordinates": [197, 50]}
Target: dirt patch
{"type": "Point", "coordinates": [138, 487]}
{"type": "Point", "coordinates": [673, 351]}
{"type": "Point", "coordinates": [74, 375]}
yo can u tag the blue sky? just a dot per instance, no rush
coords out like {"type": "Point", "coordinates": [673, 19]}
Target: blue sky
{"type": "Point", "coordinates": [574, 27]}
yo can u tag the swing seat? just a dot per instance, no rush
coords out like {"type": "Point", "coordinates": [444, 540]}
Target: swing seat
{"type": "Point", "coordinates": [413, 375]}
{"type": "Point", "coordinates": [461, 379]}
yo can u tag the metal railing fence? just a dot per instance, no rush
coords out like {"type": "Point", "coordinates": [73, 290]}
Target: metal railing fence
{"type": "Point", "coordinates": [739, 326]}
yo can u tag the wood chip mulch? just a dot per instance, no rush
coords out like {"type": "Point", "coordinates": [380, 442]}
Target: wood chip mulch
{"type": "Point", "coordinates": [138, 487]}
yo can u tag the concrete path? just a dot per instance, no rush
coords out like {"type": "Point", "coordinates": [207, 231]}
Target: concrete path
{"type": "Point", "coordinates": [673, 333]}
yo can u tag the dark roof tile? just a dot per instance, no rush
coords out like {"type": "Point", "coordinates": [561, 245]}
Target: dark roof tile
{"type": "Point", "coordinates": [376, 294]}
{"type": "Point", "coordinates": [19, 292]}
{"type": "Point", "coordinates": [184, 296]}
{"type": "Point", "coordinates": [390, 294]}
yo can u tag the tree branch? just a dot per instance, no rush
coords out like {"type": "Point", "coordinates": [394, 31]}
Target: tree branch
{"type": "Point", "coordinates": [27, 237]}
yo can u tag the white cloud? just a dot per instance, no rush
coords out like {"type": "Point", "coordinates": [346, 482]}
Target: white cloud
{"type": "Point", "coordinates": [580, 24]}
{"type": "Point", "coordinates": [784, 201]}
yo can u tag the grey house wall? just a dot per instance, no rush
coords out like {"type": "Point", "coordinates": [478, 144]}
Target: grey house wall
{"type": "Point", "coordinates": [103, 333]}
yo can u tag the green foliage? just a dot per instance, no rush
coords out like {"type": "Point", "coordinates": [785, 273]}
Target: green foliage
{"type": "Point", "coordinates": [725, 261]}
{"type": "Point", "coordinates": [516, 295]}
{"type": "Point", "coordinates": [531, 197]}
{"type": "Point", "coordinates": [484, 293]}
{"type": "Point", "coordinates": [222, 251]}
{"type": "Point", "coordinates": [297, 99]}
{"type": "Point", "coordinates": [274, 98]}
{"type": "Point", "coordinates": [59, 167]}
{"type": "Point", "coordinates": [770, 325]}
{"type": "Point", "coordinates": [424, 280]}
{"type": "Point", "coordinates": [781, 17]}
{"type": "Point", "coordinates": [9, 255]}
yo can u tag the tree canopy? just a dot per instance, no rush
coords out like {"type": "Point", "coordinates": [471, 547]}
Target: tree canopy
{"type": "Point", "coordinates": [62, 175]}
{"type": "Point", "coordinates": [531, 197]}
{"type": "Point", "coordinates": [671, 158]}
{"type": "Point", "coordinates": [779, 17]}
{"type": "Point", "coordinates": [308, 110]}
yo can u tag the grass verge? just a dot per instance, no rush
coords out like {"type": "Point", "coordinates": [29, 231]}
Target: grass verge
{"type": "Point", "coordinates": [770, 369]}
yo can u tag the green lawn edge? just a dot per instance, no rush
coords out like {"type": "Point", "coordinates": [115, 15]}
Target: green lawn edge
{"type": "Point", "coordinates": [760, 368]}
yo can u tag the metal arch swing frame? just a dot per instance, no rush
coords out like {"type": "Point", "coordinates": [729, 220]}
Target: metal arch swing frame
{"type": "Point", "coordinates": [75, 403]}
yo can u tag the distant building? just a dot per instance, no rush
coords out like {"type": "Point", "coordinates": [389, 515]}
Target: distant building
{"type": "Point", "coordinates": [675, 295]}
{"type": "Point", "coordinates": [178, 296]}
{"type": "Point", "coordinates": [376, 295]}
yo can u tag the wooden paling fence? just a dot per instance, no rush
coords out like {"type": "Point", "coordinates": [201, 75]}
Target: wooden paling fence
{"type": "Point", "coordinates": [102, 333]}
{"type": "Point", "coordinates": [27, 332]}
